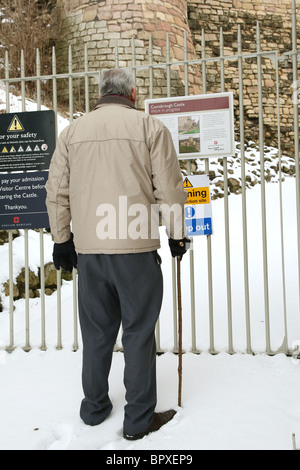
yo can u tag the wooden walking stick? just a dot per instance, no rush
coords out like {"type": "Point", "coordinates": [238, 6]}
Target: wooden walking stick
{"type": "Point", "coordinates": [179, 332]}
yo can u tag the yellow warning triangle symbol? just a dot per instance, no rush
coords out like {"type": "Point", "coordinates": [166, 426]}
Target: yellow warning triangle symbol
{"type": "Point", "coordinates": [5, 150]}
{"type": "Point", "coordinates": [187, 183]}
{"type": "Point", "coordinates": [15, 125]}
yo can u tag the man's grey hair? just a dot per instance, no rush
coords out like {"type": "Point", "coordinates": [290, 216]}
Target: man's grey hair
{"type": "Point", "coordinates": [116, 82]}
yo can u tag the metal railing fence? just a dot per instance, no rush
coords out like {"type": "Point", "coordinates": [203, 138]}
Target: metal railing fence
{"type": "Point", "coordinates": [195, 258]}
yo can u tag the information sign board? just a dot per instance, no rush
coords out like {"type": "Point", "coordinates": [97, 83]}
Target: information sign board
{"type": "Point", "coordinates": [27, 140]}
{"type": "Point", "coordinates": [201, 125]}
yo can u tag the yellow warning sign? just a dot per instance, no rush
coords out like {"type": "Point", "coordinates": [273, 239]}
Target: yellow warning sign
{"type": "Point", "coordinates": [198, 196]}
{"type": "Point", "coordinates": [5, 150]}
{"type": "Point", "coordinates": [187, 183]}
{"type": "Point", "coordinates": [15, 125]}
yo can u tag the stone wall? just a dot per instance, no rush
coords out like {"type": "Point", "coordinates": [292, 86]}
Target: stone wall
{"type": "Point", "coordinates": [102, 24]}
{"type": "Point", "coordinates": [275, 19]}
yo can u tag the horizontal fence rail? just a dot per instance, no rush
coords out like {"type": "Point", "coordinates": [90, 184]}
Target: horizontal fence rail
{"type": "Point", "coordinates": [201, 257]}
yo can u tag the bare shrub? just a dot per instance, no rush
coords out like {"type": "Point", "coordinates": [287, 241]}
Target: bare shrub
{"type": "Point", "coordinates": [27, 25]}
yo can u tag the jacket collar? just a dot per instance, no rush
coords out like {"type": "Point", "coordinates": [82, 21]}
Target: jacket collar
{"type": "Point", "coordinates": [114, 99]}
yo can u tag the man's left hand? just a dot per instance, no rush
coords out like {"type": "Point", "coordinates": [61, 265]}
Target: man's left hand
{"type": "Point", "coordinates": [179, 247]}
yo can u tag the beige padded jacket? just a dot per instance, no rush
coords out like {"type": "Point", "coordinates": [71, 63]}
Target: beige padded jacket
{"type": "Point", "coordinates": [110, 173]}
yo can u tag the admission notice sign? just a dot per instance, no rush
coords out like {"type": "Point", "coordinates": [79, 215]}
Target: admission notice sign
{"type": "Point", "coordinates": [22, 200]}
{"type": "Point", "coordinates": [201, 125]}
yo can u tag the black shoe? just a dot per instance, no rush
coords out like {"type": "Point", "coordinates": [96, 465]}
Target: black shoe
{"type": "Point", "coordinates": [159, 420]}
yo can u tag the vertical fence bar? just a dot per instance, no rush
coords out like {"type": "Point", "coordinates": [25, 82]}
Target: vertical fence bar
{"type": "Point", "coordinates": [203, 57]}
{"type": "Point", "coordinates": [23, 89]}
{"type": "Point", "coordinates": [174, 283]}
{"type": "Point", "coordinates": [116, 54]}
{"type": "Point", "coordinates": [7, 82]}
{"type": "Point", "coordinates": [226, 213]}
{"type": "Point", "coordinates": [38, 80]}
{"type": "Point", "coordinates": [191, 251]}
{"type": "Point", "coordinates": [59, 327]}
{"type": "Point", "coordinates": [186, 66]}
{"type": "Point", "coordinates": [74, 272]}
{"type": "Point", "coordinates": [151, 67]}
{"type": "Point", "coordinates": [58, 276]}
{"type": "Point", "coordinates": [263, 193]}
{"type": "Point", "coordinates": [133, 60]}
{"type": "Point", "coordinates": [222, 61]}
{"type": "Point", "coordinates": [26, 242]}
{"type": "Point", "coordinates": [174, 291]}
{"type": "Point", "coordinates": [86, 79]}
{"type": "Point", "coordinates": [209, 245]}
{"type": "Point", "coordinates": [10, 234]}
{"type": "Point", "coordinates": [54, 87]}
{"type": "Point", "coordinates": [71, 110]}
{"type": "Point", "coordinates": [42, 281]}
{"type": "Point", "coordinates": [244, 201]}
{"type": "Point", "coordinates": [284, 347]}
{"type": "Point", "coordinates": [42, 261]}
{"type": "Point", "coordinates": [296, 127]}
{"type": "Point", "coordinates": [27, 316]}
{"type": "Point", "coordinates": [11, 294]}
{"type": "Point", "coordinates": [168, 67]}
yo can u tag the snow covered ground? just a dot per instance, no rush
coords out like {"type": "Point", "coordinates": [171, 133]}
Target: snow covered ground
{"type": "Point", "coordinates": [238, 402]}
{"type": "Point", "coordinates": [230, 402]}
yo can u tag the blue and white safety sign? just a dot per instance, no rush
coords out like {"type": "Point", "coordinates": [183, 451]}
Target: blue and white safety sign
{"type": "Point", "coordinates": [198, 212]}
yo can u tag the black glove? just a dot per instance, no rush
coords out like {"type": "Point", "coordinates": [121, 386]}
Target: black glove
{"type": "Point", "coordinates": [179, 247]}
{"type": "Point", "coordinates": [64, 255]}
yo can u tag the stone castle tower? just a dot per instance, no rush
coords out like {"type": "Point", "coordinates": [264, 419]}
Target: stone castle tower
{"type": "Point", "coordinates": [101, 24]}
{"type": "Point", "coordinates": [104, 24]}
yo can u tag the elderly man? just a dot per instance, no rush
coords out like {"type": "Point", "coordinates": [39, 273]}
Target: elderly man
{"type": "Point", "coordinates": [113, 171]}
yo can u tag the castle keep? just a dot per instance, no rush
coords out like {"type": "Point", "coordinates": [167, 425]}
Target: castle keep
{"type": "Point", "coordinates": [104, 24]}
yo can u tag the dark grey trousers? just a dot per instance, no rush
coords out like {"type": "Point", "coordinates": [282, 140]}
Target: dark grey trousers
{"type": "Point", "coordinates": [115, 289]}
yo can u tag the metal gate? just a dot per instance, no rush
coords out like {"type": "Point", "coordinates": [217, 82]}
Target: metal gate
{"type": "Point", "coordinates": [205, 313]}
